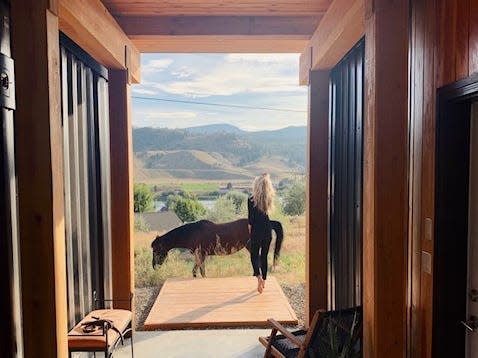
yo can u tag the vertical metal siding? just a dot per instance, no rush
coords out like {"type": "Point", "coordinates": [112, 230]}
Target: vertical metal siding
{"type": "Point", "coordinates": [345, 180]}
{"type": "Point", "coordinates": [87, 175]}
{"type": "Point", "coordinates": [11, 335]}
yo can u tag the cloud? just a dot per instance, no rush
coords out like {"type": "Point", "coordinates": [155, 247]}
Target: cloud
{"type": "Point", "coordinates": [183, 72]}
{"type": "Point", "coordinates": [278, 59]}
{"type": "Point", "coordinates": [198, 76]}
{"type": "Point", "coordinates": [256, 80]}
{"type": "Point", "coordinates": [156, 65]}
{"type": "Point", "coordinates": [151, 114]}
{"type": "Point", "coordinates": [139, 90]}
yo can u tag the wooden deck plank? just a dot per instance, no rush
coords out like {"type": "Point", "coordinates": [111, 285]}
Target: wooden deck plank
{"type": "Point", "coordinates": [218, 302]}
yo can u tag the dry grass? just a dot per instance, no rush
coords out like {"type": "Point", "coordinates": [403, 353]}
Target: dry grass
{"type": "Point", "coordinates": [291, 268]}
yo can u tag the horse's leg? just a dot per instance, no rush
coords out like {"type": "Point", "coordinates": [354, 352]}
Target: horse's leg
{"type": "Point", "coordinates": [195, 269]}
{"type": "Point", "coordinates": [202, 266]}
{"type": "Point", "coordinates": [196, 254]}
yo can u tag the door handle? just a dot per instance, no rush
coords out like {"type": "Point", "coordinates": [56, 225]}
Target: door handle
{"type": "Point", "coordinates": [471, 324]}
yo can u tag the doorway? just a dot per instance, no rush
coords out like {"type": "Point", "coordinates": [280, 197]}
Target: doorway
{"type": "Point", "coordinates": [456, 207]}
{"type": "Point", "coordinates": [471, 321]}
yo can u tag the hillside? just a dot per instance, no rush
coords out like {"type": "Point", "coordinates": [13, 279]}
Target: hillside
{"type": "Point", "coordinates": [217, 152]}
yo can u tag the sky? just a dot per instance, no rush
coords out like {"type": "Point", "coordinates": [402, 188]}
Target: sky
{"type": "Point", "coordinates": [243, 80]}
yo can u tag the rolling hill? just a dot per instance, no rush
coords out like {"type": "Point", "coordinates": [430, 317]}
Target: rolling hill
{"type": "Point", "coordinates": [217, 152]}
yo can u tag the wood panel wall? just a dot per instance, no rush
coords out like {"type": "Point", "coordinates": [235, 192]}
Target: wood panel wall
{"type": "Point", "coordinates": [121, 147]}
{"type": "Point", "coordinates": [444, 49]}
{"type": "Point", "coordinates": [316, 201]}
{"type": "Point", "coordinates": [385, 191]}
{"type": "Point", "coordinates": [39, 164]}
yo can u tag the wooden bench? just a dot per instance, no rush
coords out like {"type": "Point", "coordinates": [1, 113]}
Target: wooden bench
{"type": "Point", "coordinates": [101, 330]}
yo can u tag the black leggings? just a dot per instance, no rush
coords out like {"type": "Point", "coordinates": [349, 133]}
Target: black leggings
{"type": "Point", "coordinates": [259, 251]}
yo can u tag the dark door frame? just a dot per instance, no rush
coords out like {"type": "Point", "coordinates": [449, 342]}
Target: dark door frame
{"type": "Point", "coordinates": [452, 154]}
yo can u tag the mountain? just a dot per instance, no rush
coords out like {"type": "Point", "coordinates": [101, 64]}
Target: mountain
{"type": "Point", "coordinates": [211, 128]}
{"type": "Point", "coordinates": [218, 151]}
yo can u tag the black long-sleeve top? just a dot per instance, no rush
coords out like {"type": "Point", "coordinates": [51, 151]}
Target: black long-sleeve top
{"type": "Point", "coordinates": [259, 221]}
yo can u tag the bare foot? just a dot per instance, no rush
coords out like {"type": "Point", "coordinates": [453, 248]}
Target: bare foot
{"type": "Point", "coordinates": [260, 284]}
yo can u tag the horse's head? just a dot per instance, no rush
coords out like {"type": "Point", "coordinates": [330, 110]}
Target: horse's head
{"type": "Point", "coordinates": [159, 252]}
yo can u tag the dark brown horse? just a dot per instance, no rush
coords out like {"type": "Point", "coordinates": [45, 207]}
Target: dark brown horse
{"type": "Point", "coordinates": [203, 238]}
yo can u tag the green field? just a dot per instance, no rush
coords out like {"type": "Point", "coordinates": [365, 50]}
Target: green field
{"type": "Point", "coordinates": [199, 187]}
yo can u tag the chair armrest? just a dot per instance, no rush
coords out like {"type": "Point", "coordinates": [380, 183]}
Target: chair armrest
{"type": "Point", "coordinates": [285, 332]}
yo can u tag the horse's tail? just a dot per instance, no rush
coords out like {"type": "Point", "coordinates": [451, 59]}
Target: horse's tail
{"type": "Point", "coordinates": [277, 227]}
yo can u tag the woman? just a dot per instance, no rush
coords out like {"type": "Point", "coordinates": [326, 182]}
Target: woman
{"type": "Point", "coordinates": [260, 205]}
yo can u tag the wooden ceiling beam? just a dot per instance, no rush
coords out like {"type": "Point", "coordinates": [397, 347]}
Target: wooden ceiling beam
{"type": "Point", "coordinates": [220, 44]}
{"type": "Point", "coordinates": [339, 30]}
{"type": "Point", "coordinates": [216, 7]}
{"type": "Point", "coordinates": [218, 25]}
{"type": "Point", "coordinates": [92, 27]}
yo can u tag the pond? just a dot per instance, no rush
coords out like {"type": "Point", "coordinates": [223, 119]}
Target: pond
{"type": "Point", "coordinates": [208, 204]}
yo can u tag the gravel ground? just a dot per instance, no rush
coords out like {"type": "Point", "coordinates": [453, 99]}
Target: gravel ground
{"type": "Point", "coordinates": [145, 297]}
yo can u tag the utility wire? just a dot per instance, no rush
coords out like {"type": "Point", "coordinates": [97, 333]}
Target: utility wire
{"type": "Point", "coordinates": [218, 104]}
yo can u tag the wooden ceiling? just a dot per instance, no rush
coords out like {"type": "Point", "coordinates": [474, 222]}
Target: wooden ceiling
{"type": "Point", "coordinates": [218, 25]}
{"type": "Point", "coordinates": [216, 7]}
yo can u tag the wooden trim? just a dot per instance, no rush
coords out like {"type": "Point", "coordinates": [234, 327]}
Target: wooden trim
{"type": "Point", "coordinates": [218, 25]}
{"type": "Point", "coordinates": [53, 6]}
{"type": "Point", "coordinates": [39, 164]}
{"type": "Point", "coordinates": [317, 194]}
{"type": "Point", "coordinates": [93, 28]}
{"type": "Point", "coordinates": [216, 7]}
{"type": "Point", "coordinates": [385, 178]}
{"type": "Point", "coordinates": [220, 44]}
{"type": "Point", "coordinates": [416, 89]}
{"type": "Point", "coordinates": [121, 146]}
{"type": "Point", "coordinates": [305, 64]}
{"type": "Point", "coordinates": [340, 29]}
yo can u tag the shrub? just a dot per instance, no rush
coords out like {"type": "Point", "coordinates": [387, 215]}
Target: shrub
{"type": "Point", "coordinates": [294, 199]}
{"type": "Point", "coordinates": [186, 206]}
{"type": "Point", "coordinates": [143, 198]}
{"type": "Point", "coordinates": [140, 223]}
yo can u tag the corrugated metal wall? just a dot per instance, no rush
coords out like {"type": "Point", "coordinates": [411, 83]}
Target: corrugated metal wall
{"type": "Point", "coordinates": [345, 180]}
{"type": "Point", "coordinates": [87, 178]}
{"type": "Point", "coordinates": [11, 341]}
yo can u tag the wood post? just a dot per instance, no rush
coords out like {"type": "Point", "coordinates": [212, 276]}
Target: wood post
{"type": "Point", "coordinates": [39, 161]}
{"type": "Point", "coordinates": [317, 189]}
{"type": "Point", "coordinates": [121, 144]}
{"type": "Point", "coordinates": [385, 178]}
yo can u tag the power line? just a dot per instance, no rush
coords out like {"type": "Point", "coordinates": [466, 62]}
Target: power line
{"type": "Point", "coordinates": [218, 104]}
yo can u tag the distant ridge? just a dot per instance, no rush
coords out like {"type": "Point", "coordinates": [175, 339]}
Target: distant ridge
{"type": "Point", "coordinates": [217, 151]}
{"type": "Point", "coordinates": [212, 128]}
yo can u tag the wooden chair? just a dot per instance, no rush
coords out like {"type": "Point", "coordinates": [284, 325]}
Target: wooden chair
{"type": "Point", "coordinates": [330, 334]}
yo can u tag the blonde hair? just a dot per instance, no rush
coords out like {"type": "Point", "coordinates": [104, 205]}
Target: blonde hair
{"type": "Point", "coordinates": [263, 193]}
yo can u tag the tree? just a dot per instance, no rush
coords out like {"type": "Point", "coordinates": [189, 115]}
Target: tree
{"type": "Point", "coordinates": [224, 210]}
{"type": "Point", "coordinates": [239, 200]}
{"type": "Point", "coordinates": [186, 206]}
{"type": "Point", "coordinates": [294, 199]}
{"type": "Point", "coordinates": [143, 198]}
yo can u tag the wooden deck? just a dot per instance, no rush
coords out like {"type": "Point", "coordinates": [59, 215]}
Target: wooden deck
{"type": "Point", "coordinates": [218, 302]}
